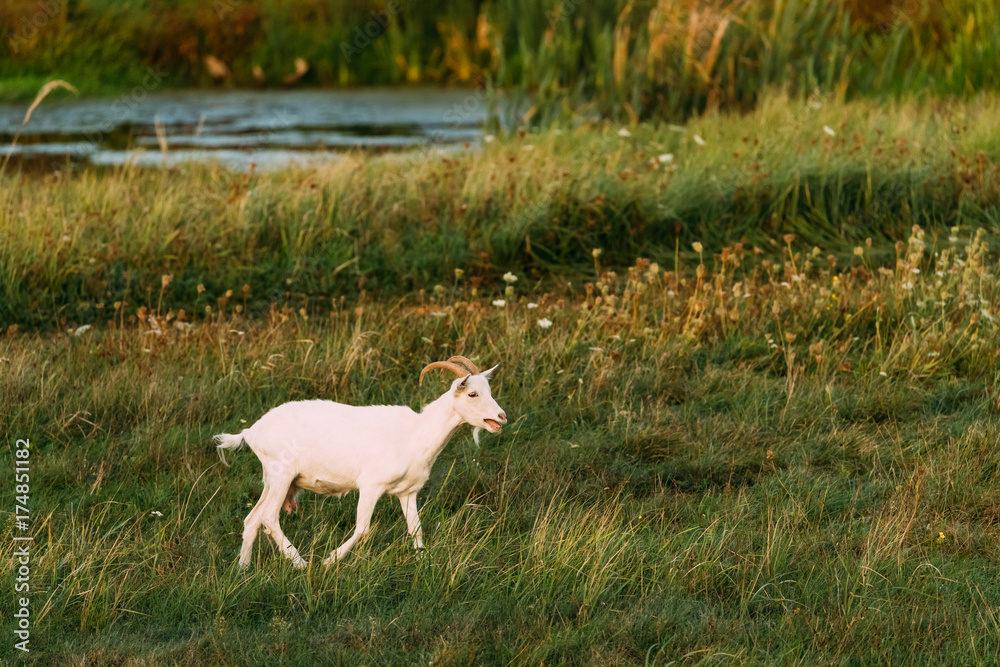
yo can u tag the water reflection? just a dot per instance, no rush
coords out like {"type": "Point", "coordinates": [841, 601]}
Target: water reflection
{"type": "Point", "coordinates": [267, 128]}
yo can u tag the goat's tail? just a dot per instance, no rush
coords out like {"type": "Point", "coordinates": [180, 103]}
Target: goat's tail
{"type": "Point", "coordinates": [228, 441]}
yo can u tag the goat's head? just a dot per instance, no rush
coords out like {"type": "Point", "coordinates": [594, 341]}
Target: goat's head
{"type": "Point", "coordinates": [471, 393]}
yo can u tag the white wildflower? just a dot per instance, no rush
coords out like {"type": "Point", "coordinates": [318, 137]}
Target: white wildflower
{"type": "Point", "coordinates": [624, 133]}
{"type": "Point", "coordinates": [81, 330]}
{"type": "Point", "coordinates": [489, 138]}
{"type": "Point", "coordinates": [829, 130]}
{"type": "Point", "coordinates": [665, 158]}
{"type": "Point", "coordinates": [545, 323]}
{"type": "Point", "coordinates": [509, 277]}
{"type": "Point", "coordinates": [499, 303]}
{"type": "Point", "coordinates": [532, 305]}
{"type": "Point", "coordinates": [698, 140]}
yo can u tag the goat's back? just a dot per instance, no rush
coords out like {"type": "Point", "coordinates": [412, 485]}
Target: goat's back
{"type": "Point", "coordinates": [323, 435]}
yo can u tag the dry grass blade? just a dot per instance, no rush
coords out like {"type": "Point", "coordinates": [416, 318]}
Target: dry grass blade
{"type": "Point", "coordinates": [43, 93]}
{"type": "Point", "coordinates": [161, 134]}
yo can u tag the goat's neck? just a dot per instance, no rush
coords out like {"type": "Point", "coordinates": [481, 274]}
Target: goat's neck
{"type": "Point", "coordinates": [438, 422]}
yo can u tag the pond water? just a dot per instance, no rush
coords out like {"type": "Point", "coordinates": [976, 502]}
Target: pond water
{"type": "Point", "coordinates": [240, 128]}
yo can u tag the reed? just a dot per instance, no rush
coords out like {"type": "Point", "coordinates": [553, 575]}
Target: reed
{"type": "Point", "coordinates": [628, 60]}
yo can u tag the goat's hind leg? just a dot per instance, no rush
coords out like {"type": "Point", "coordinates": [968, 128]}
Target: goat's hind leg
{"type": "Point", "coordinates": [269, 513]}
{"type": "Point", "coordinates": [251, 524]}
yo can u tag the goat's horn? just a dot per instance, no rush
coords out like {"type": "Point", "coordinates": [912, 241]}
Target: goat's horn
{"type": "Point", "coordinates": [447, 365]}
{"type": "Point", "coordinates": [465, 362]}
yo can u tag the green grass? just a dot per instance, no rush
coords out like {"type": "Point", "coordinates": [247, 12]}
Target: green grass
{"type": "Point", "coordinates": [628, 60]}
{"type": "Point", "coordinates": [750, 435]}
{"type": "Point", "coordinates": [805, 474]}
{"type": "Point", "coordinates": [80, 240]}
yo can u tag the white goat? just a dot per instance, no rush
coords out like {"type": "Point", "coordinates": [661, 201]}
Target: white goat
{"type": "Point", "coordinates": [332, 448]}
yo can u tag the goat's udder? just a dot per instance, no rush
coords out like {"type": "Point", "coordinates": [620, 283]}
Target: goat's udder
{"type": "Point", "coordinates": [290, 504]}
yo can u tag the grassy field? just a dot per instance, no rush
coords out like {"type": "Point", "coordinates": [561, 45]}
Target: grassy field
{"type": "Point", "coordinates": [746, 461]}
{"type": "Point", "coordinates": [834, 174]}
{"type": "Point", "coordinates": [752, 390]}
{"type": "Point", "coordinates": [627, 59]}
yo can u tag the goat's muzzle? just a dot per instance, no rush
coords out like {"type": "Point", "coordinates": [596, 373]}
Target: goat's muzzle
{"type": "Point", "coordinates": [494, 425]}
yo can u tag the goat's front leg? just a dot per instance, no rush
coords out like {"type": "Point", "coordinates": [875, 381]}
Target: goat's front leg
{"type": "Point", "coordinates": [409, 505]}
{"type": "Point", "coordinates": [366, 505]}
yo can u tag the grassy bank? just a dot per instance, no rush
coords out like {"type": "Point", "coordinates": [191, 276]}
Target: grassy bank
{"type": "Point", "coordinates": [647, 59]}
{"type": "Point", "coordinates": [77, 242]}
{"type": "Point", "coordinates": [788, 462]}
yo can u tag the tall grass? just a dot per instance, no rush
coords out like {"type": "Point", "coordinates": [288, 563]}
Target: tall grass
{"type": "Point", "coordinates": [77, 242]}
{"type": "Point", "coordinates": [773, 462]}
{"type": "Point", "coordinates": [630, 60]}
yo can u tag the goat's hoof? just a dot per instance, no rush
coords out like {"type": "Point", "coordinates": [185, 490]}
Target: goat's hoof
{"type": "Point", "coordinates": [300, 564]}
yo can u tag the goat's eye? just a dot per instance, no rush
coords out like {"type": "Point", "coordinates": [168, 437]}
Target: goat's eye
{"type": "Point", "coordinates": [473, 395]}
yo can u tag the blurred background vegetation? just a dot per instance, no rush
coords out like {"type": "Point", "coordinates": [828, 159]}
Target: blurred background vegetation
{"type": "Point", "coordinates": [630, 60]}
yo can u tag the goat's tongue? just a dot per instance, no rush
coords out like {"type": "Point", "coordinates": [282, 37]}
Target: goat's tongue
{"type": "Point", "coordinates": [495, 425]}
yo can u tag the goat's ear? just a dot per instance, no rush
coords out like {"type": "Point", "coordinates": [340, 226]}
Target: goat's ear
{"type": "Point", "coordinates": [465, 381]}
{"type": "Point", "coordinates": [489, 373]}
